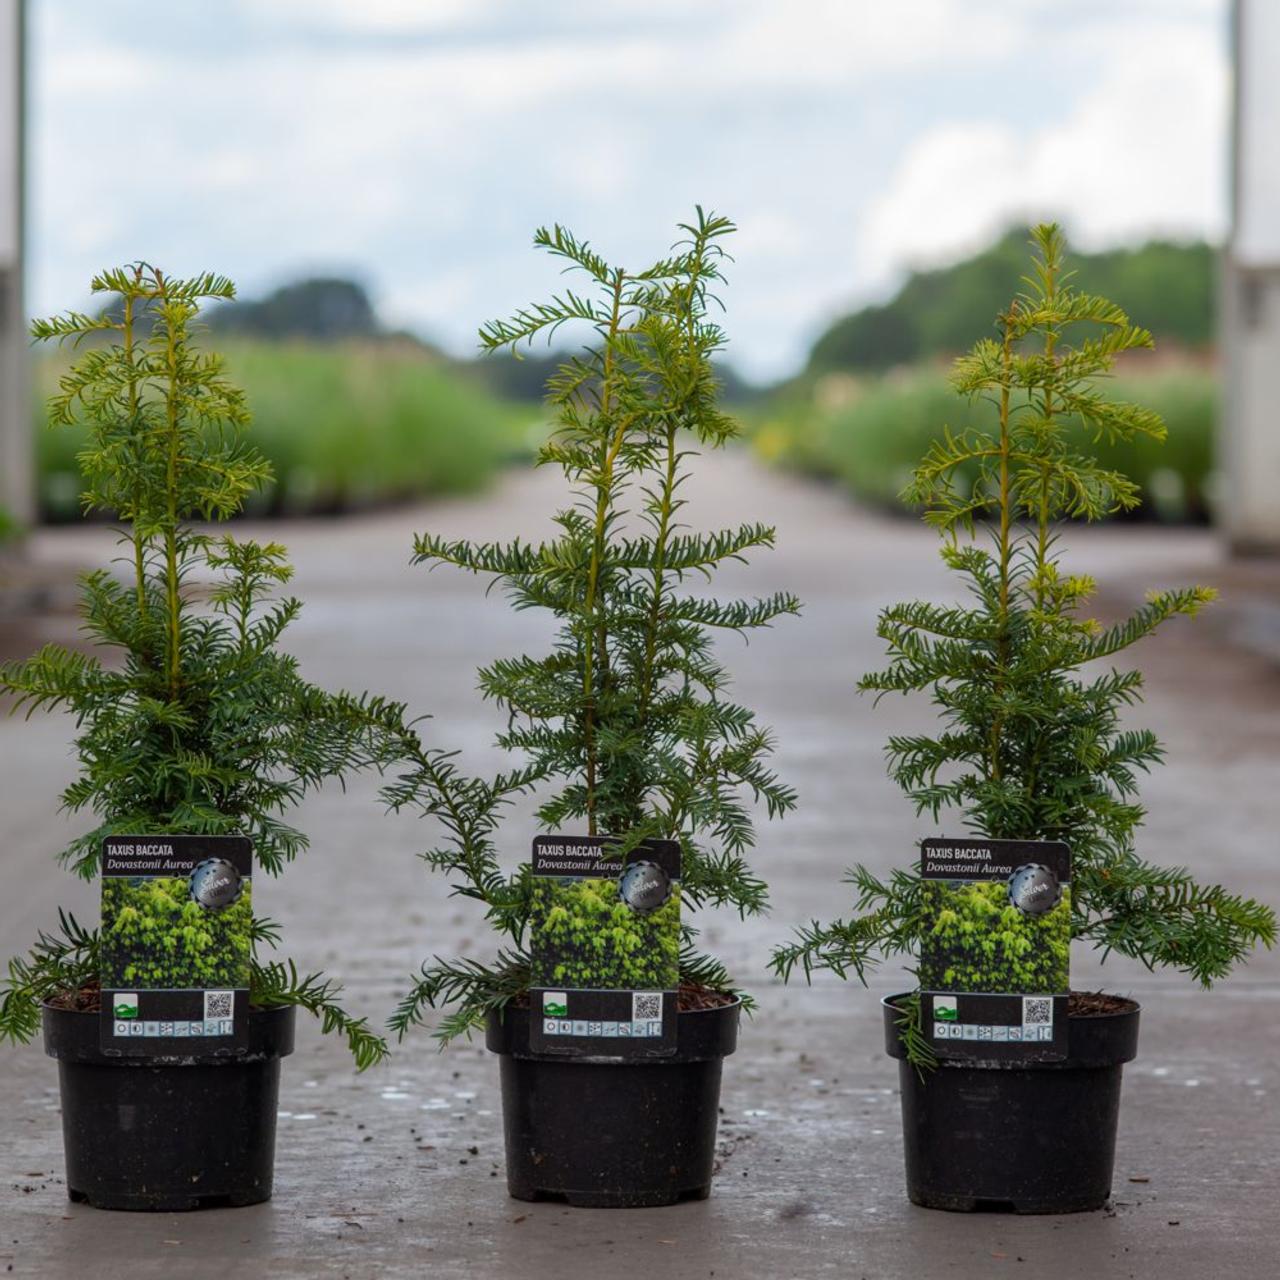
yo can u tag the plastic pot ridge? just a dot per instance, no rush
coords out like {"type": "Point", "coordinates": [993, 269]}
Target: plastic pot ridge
{"type": "Point", "coordinates": [168, 1134]}
{"type": "Point", "coordinates": [610, 1133]}
{"type": "Point", "coordinates": [1016, 1137]}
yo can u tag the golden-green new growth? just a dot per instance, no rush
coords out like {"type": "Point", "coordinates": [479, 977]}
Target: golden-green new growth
{"type": "Point", "coordinates": [625, 725]}
{"type": "Point", "coordinates": [198, 724]}
{"type": "Point", "coordinates": [1031, 742]}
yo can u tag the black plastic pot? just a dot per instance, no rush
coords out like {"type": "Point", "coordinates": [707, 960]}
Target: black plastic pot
{"type": "Point", "coordinates": [1016, 1138]}
{"type": "Point", "coordinates": [195, 1132]}
{"type": "Point", "coordinates": [607, 1133]}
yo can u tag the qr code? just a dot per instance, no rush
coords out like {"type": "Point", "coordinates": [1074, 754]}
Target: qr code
{"type": "Point", "coordinates": [219, 1004]}
{"type": "Point", "coordinates": [646, 1006]}
{"type": "Point", "coordinates": [1037, 1012]}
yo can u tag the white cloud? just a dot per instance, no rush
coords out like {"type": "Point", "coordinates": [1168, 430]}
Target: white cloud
{"type": "Point", "coordinates": [93, 73]}
{"type": "Point", "coordinates": [828, 41]}
{"type": "Point", "coordinates": [382, 16]}
{"type": "Point", "coordinates": [418, 142]}
{"type": "Point", "coordinates": [1141, 153]}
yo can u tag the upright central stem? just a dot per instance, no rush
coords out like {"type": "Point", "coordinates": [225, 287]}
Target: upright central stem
{"type": "Point", "coordinates": [666, 511]}
{"type": "Point", "coordinates": [135, 429]}
{"type": "Point", "coordinates": [1005, 543]}
{"type": "Point", "coordinates": [667, 499]}
{"type": "Point", "coordinates": [171, 505]}
{"type": "Point", "coordinates": [596, 636]}
{"type": "Point", "coordinates": [1047, 409]}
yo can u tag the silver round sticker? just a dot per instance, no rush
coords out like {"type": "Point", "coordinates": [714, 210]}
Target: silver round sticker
{"type": "Point", "coordinates": [215, 884]}
{"type": "Point", "coordinates": [1034, 889]}
{"type": "Point", "coordinates": [644, 886]}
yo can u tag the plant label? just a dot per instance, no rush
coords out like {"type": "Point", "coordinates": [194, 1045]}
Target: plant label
{"type": "Point", "coordinates": [995, 948]}
{"type": "Point", "coordinates": [176, 941]}
{"type": "Point", "coordinates": [604, 947]}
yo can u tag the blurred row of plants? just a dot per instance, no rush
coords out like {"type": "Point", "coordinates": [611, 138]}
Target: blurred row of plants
{"type": "Point", "coordinates": [344, 425]}
{"type": "Point", "coordinates": [874, 392]}
{"type": "Point", "coordinates": [867, 434]}
{"type": "Point", "coordinates": [352, 415]}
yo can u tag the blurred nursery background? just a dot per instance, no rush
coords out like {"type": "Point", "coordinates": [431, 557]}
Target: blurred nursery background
{"type": "Point", "coordinates": [370, 176]}
{"type": "Point", "coordinates": [370, 173]}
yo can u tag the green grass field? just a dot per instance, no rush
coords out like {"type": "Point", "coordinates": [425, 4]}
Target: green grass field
{"type": "Point", "coordinates": [868, 433]}
{"type": "Point", "coordinates": [345, 426]}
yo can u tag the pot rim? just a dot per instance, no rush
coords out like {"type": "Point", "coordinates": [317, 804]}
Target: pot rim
{"type": "Point", "coordinates": [507, 1032]}
{"type": "Point", "coordinates": [255, 1010]}
{"type": "Point", "coordinates": [889, 1002]}
{"type": "Point", "coordinates": [1093, 1041]}
{"type": "Point", "coordinates": [735, 1003]}
{"type": "Point", "coordinates": [71, 1035]}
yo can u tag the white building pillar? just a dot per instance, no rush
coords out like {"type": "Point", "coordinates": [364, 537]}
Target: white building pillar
{"type": "Point", "coordinates": [17, 491]}
{"type": "Point", "coordinates": [1250, 298]}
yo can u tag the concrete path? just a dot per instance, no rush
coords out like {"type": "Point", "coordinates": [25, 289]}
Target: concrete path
{"type": "Point", "coordinates": [399, 1172]}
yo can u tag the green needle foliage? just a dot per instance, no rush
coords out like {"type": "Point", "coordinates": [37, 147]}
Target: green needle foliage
{"type": "Point", "coordinates": [154, 935]}
{"type": "Point", "coordinates": [1031, 743]}
{"type": "Point", "coordinates": [625, 725]}
{"type": "Point", "coordinates": [982, 942]}
{"type": "Point", "coordinates": [599, 941]}
{"type": "Point", "coordinates": [198, 724]}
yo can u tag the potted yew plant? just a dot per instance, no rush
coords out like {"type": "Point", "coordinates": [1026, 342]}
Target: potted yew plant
{"type": "Point", "coordinates": [641, 764]}
{"type": "Point", "coordinates": [191, 725]}
{"type": "Point", "coordinates": [1036, 761]}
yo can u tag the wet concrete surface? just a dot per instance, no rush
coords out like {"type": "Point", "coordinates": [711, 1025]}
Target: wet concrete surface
{"type": "Point", "coordinates": [399, 1172]}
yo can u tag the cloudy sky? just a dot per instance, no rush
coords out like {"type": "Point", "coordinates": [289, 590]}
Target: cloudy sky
{"type": "Point", "coordinates": [417, 143]}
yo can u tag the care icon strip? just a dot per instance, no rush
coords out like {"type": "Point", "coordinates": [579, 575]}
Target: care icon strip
{"type": "Point", "coordinates": [177, 913]}
{"type": "Point", "coordinates": [604, 943]}
{"type": "Point", "coordinates": [995, 948]}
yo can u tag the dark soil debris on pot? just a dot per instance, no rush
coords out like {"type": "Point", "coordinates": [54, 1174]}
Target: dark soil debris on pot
{"type": "Point", "coordinates": [692, 997]}
{"type": "Point", "coordinates": [1096, 1004]}
{"type": "Point", "coordinates": [87, 1000]}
